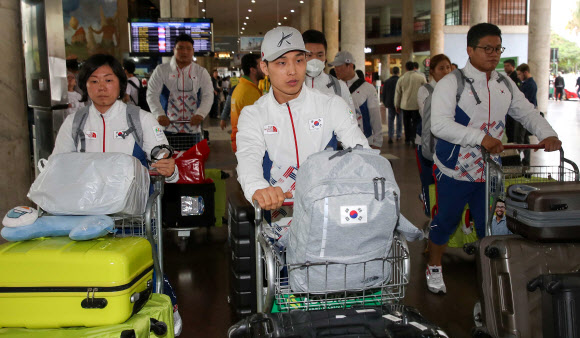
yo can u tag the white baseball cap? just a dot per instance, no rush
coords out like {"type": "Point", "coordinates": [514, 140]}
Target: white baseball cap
{"type": "Point", "coordinates": [341, 58]}
{"type": "Point", "coordinates": [280, 41]}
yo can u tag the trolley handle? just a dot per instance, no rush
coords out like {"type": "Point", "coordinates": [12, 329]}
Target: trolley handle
{"type": "Point", "coordinates": [258, 215]}
{"type": "Point", "coordinates": [523, 146]}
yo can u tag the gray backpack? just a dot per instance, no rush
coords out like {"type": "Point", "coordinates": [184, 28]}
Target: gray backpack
{"type": "Point", "coordinates": [346, 209]}
{"type": "Point", "coordinates": [133, 121]}
{"type": "Point", "coordinates": [462, 79]}
{"type": "Point", "coordinates": [427, 138]}
{"type": "Point", "coordinates": [335, 84]}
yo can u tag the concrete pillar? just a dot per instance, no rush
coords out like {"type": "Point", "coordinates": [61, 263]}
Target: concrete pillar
{"type": "Point", "coordinates": [353, 30]}
{"type": "Point", "coordinates": [477, 11]}
{"type": "Point", "coordinates": [437, 22]}
{"type": "Point", "coordinates": [385, 66]}
{"type": "Point", "coordinates": [385, 21]}
{"type": "Point", "coordinates": [331, 28]}
{"type": "Point", "coordinates": [316, 15]}
{"type": "Point", "coordinates": [539, 49]}
{"type": "Point", "coordinates": [14, 144]}
{"type": "Point", "coordinates": [407, 32]}
{"type": "Point", "coordinates": [304, 17]}
{"type": "Point", "coordinates": [194, 9]}
{"type": "Point", "coordinates": [165, 8]}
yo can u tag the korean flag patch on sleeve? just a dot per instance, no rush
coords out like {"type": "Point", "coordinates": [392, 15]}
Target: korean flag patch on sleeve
{"type": "Point", "coordinates": [353, 214]}
{"type": "Point", "coordinates": [315, 124]}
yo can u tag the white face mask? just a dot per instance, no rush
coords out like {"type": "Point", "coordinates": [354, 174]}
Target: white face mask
{"type": "Point", "coordinates": [314, 67]}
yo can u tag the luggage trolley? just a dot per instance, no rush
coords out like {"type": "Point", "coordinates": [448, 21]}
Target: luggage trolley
{"type": "Point", "coordinates": [147, 225]}
{"type": "Point", "coordinates": [499, 178]}
{"type": "Point", "coordinates": [277, 295]}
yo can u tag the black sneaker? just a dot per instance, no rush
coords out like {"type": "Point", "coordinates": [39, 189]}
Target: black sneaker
{"type": "Point", "coordinates": [390, 141]}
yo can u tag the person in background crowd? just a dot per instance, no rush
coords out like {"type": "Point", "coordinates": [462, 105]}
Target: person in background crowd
{"type": "Point", "coordinates": [578, 87]}
{"type": "Point", "coordinates": [364, 97]}
{"type": "Point", "coordinates": [246, 92]}
{"type": "Point", "coordinates": [498, 223]}
{"type": "Point", "coordinates": [466, 126]}
{"type": "Point", "coordinates": [454, 66]}
{"type": "Point", "coordinates": [509, 66]}
{"type": "Point", "coordinates": [530, 90]}
{"type": "Point", "coordinates": [559, 85]}
{"type": "Point", "coordinates": [406, 100]}
{"type": "Point", "coordinates": [180, 93]}
{"type": "Point", "coordinates": [389, 101]}
{"type": "Point", "coordinates": [74, 98]}
{"type": "Point", "coordinates": [132, 93]}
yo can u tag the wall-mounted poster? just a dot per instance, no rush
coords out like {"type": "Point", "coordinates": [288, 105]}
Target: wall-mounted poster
{"type": "Point", "coordinates": [90, 27]}
{"type": "Point", "coordinates": [251, 43]}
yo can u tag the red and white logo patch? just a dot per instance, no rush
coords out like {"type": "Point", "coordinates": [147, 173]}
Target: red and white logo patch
{"type": "Point", "coordinates": [270, 129]}
{"type": "Point", "coordinates": [91, 135]}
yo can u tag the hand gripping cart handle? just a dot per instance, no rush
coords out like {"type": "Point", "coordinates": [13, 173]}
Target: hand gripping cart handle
{"type": "Point", "coordinates": [495, 176]}
{"type": "Point", "coordinates": [268, 261]}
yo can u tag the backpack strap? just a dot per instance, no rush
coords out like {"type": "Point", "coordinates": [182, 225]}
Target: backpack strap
{"type": "Point", "coordinates": [427, 139]}
{"type": "Point", "coordinates": [429, 88]}
{"type": "Point", "coordinates": [134, 86]}
{"type": "Point", "coordinates": [79, 121]}
{"type": "Point", "coordinates": [334, 83]}
{"type": "Point", "coordinates": [501, 78]}
{"type": "Point", "coordinates": [461, 79]}
{"type": "Point", "coordinates": [355, 85]}
{"type": "Point", "coordinates": [134, 123]}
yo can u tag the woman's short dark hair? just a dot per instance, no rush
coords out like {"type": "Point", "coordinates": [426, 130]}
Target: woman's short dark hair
{"type": "Point", "coordinates": [481, 30]}
{"type": "Point", "coordinates": [95, 62]}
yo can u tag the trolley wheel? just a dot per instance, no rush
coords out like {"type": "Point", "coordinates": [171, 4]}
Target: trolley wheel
{"type": "Point", "coordinates": [477, 315]}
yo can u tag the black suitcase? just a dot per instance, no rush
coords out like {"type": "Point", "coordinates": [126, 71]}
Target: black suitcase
{"type": "Point", "coordinates": [546, 212]}
{"type": "Point", "coordinates": [386, 321]}
{"type": "Point", "coordinates": [242, 262]}
{"type": "Point", "coordinates": [560, 304]}
{"type": "Point", "coordinates": [181, 205]}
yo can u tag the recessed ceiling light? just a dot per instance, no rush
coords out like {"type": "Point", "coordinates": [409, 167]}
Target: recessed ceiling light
{"type": "Point", "coordinates": [301, 1]}
{"type": "Point", "coordinates": [285, 18]}
{"type": "Point", "coordinates": [279, 24]}
{"type": "Point", "coordinates": [233, 51]}
{"type": "Point", "coordinates": [245, 23]}
{"type": "Point", "coordinates": [247, 18]}
{"type": "Point", "coordinates": [241, 32]}
{"type": "Point", "coordinates": [203, 9]}
{"type": "Point", "coordinates": [200, 0]}
{"type": "Point", "coordinates": [243, 28]}
{"type": "Point", "coordinates": [253, 1]}
{"type": "Point", "coordinates": [291, 11]}
{"type": "Point", "coordinates": [249, 10]}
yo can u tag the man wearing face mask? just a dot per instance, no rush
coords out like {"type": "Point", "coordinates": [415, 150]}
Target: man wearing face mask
{"type": "Point", "coordinates": [316, 78]}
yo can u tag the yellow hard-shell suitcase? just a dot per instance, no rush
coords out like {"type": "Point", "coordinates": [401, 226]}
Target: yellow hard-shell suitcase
{"type": "Point", "coordinates": [57, 282]}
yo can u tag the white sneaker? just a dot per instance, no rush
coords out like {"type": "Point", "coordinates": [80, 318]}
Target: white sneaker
{"type": "Point", "coordinates": [435, 282]}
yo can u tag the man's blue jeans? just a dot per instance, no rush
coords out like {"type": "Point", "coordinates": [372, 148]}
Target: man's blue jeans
{"type": "Point", "coordinates": [392, 114]}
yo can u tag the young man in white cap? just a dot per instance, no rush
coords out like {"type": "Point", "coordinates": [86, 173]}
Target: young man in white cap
{"type": "Point", "coordinates": [287, 125]}
{"type": "Point", "coordinates": [364, 96]}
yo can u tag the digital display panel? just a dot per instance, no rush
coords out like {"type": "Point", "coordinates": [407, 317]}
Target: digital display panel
{"type": "Point", "coordinates": [148, 37]}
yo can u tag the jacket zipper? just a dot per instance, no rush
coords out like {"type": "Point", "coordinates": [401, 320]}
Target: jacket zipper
{"type": "Point", "coordinates": [104, 131]}
{"type": "Point", "coordinates": [46, 289]}
{"type": "Point", "coordinates": [295, 141]}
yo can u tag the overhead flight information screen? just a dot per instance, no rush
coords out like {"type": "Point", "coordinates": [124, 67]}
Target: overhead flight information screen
{"type": "Point", "coordinates": [148, 37]}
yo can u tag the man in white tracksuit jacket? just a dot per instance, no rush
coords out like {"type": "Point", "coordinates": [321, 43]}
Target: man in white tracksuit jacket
{"type": "Point", "coordinates": [180, 93]}
{"type": "Point", "coordinates": [287, 125]}
{"type": "Point", "coordinates": [463, 127]}
{"type": "Point", "coordinates": [316, 78]}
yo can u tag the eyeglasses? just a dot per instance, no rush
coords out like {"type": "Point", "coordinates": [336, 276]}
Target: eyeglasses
{"type": "Point", "coordinates": [489, 50]}
{"type": "Point", "coordinates": [181, 48]}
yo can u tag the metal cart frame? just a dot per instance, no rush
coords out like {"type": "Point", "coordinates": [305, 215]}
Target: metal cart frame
{"type": "Point", "coordinates": [269, 262]}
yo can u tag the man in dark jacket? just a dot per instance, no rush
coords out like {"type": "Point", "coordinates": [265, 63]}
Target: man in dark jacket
{"type": "Point", "coordinates": [509, 66]}
{"type": "Point", "coordinates": [530, 90]}
{"type": "Point", "coordinates": [389, 101]}
{"type": "Point", "coordinates": [559, 85]}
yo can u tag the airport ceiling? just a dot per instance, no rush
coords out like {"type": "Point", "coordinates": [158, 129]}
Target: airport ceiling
{"type": "Point", "coordinates": [265, 14]}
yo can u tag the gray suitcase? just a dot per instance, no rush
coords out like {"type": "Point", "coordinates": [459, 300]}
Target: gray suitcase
{"type": "Point", "coordinates": [505, 265]}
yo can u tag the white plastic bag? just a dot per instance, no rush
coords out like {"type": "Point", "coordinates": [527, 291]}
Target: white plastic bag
{"type": "Point", "coordinates": [92, 184]}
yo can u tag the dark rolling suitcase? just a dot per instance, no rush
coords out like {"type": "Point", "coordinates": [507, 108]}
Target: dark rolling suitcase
{"type": "Point", "coordinates": [189, 205]}
{"type": "Point", "coordinates": [505, 264]}
{"type": "Point", "coordinates": [242, 262]}
{"type": "Point", "coordinates": [545, 211]}
{"type": "Point", "coordinates": [560, 304]}
{"type": "Point", "coordinates": [386, 321]}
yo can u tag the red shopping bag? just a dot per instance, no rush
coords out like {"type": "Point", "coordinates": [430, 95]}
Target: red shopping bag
{"type": "Point", "coordinates": [191, 163]}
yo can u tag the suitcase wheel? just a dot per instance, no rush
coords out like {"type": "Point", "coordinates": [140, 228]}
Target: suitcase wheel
{"type": "Point", "coordinates": [492, 252]}
{"type": "Point", "coordinates": [477, 332]}
{"type": "Point", "coordinates": [158, 327]}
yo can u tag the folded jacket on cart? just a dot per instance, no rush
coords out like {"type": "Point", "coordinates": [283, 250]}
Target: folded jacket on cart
{"type": "Point", "coordinates": [78, 228]}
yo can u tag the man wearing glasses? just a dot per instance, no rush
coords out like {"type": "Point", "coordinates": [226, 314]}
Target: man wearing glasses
{"type": "Point", "coordinates": [498, 223]}
{"type": "Point", "coordinates": [180, 93]}
{"type": "Point", "coordinates": [465, 121]}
